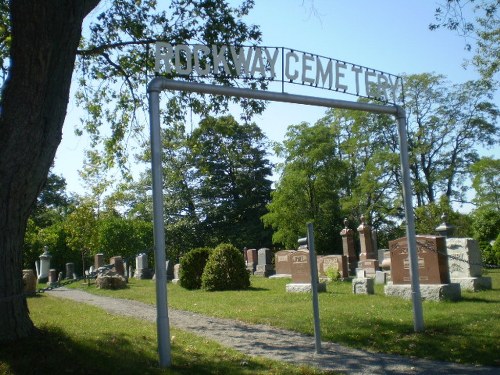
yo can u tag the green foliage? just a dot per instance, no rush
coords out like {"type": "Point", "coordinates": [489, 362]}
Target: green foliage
{"type": "Point", "coordinates": [333, 274]}
{"type": "Point", "coordinates": [119, 49]}
{"type": "Point", "coordinates": [480, 31]}
{"type": "Point", "coordinates": [231, 181]}
{"type": "Point", "coordinates": [486, 182]}
{"type": "Point", "coordinates": [486, 224]}
{"type": "Point", "coordinates": [192, 266]}
{"type": "Point", "coordinates": [124, 237]}
{"type": "Point", "coordinates": [225, 270]}
{"type": "Point", "coordinates": [430, 216]}
{"type": "Point", "coordinates": [312, 177]}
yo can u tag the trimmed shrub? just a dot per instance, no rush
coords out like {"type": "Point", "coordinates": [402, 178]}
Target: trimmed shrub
{"type": "Point", "coordinates": [192, 265]}
{"type": "Point", "coordinates": [225, 270]}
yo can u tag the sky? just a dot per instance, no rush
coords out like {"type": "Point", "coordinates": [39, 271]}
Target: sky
{"type": "Point", "coordinates": [387, 35]}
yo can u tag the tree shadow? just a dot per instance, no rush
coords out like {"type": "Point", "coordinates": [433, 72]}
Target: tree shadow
{"type": "Point", "coordinates": [51, 350]}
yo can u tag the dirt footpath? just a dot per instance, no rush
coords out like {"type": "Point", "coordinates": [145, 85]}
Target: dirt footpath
{"type": "Point", "coordinates": [278, 344]}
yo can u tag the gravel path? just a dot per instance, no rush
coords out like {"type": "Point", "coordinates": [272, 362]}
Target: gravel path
{"type": "Point", "coordinates": [278, 344]}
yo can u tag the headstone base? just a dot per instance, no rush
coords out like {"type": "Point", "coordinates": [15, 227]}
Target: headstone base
{"type": "Point", "coordinates": [281, 276]}
{"type": "Point", "coordinates": [251, 268]}
{"type": "Point", "coordinates": [473, 284]}
{"type": "Point", "coordinates": [175, 281]}
{"type": "Point", "coordinates": [265, 270]}
{"type": "Point", "coordinates": [428, 292]}
{"type": "Point", "coordinates": [304, 288]}
{"type": "Point", "coordinates": [363, 286]}
{"type": "Point", "coordinates": [143, 274]}
{"type": "Point", "coordinates": [380, 277]}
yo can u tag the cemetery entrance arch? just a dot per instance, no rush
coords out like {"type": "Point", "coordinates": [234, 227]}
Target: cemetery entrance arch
{"type": "Point", "coordinates": [159, 84]}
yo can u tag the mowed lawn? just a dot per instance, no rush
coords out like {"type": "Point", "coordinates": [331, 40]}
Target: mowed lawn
{"type": "Point", "coordinates": [467, 331]}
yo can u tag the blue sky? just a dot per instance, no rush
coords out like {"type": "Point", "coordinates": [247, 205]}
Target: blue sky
{"type": "Point", "coordinates": [388, 35]}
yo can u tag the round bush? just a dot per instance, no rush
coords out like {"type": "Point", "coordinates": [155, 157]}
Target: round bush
{"type": "Point", "coordinates": [192, 265]}
{"type": "Point", "coordinates": [225, 270]}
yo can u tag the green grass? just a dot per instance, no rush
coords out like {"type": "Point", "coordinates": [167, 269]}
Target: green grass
{"type": "Point", "coordinates": [467, 331]}
{"type": "Point", "coordinates": [76, 338]}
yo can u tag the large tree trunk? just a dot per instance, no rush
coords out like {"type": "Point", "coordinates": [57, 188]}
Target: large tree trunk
{"type": "Point", "coordinates": [45, 37]}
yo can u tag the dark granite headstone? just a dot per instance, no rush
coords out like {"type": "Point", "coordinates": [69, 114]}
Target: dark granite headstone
{"type": "Point", "coordinates": [301, 268]}
{"type": "Point", "coordinates": [283, 262]}
{"type": "Point", "coordinates": [432, 260]}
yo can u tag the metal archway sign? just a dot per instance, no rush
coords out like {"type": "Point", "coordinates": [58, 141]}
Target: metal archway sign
{"type": "Point", "coordinates": [159, 84]}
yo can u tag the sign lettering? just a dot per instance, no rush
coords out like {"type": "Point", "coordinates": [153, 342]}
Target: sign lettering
{"type": "Point", "coordinates": [277, 63]}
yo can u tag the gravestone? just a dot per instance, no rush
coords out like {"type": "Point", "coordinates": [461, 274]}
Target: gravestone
{"type": "Point", "coordinates": [29, 282]}
{"type": "Point", "coordinates": [432, 260]}
{"type": "Point", "coordinates": [465, 265]}
{"type": "Point", "coordinates": [301, 274]}
{"type": "Point", "coordinates": [348, 247]}
{"type": "Point", "coordinates": [283, 262]}
{"type": "Point", "coordinates": [333, 262]}
{"type": "Point", "coordinates": [265, 263]}
{"type": "Point", "coordinates": [380, 277]}
{"type": "Point", "coordinates": [301, 268]}
{"type": "Point", "coordinates": [432, 266]}
{"type": "Point", "coordinates": [70, 271]}
{"type": "Point", "coordinates": [252, 260]}
{"type": "Point", "coordinates": [117, 261]}
{"type": "Point", "coordinates": [142, 271]}
{"type": "Point", "coordinates": [365, 241]}
{"type": "Point", "coordinates": [367, 259]}
{"type": "Point", "coordinates": [177, 270]}
{"type": "Point", "coordinates": [52, 279]}
{"type": "Point", "coordinates": [363, 285]}
{"type": "Point", "coordinates": [99, 261]}
{"type": "Point", "coordinates": [43, 266]}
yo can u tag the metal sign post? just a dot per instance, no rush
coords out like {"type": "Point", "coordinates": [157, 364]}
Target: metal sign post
{"type": "Point", "coordinates": [159, 84]}
{"type": "Point", "coordinates": [314, 286]}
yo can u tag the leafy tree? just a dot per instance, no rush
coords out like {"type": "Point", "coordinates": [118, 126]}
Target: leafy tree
{"type": "Point", "coordinates": [232, 180]}
{"type": "Point", "coordinates": [486, 224]}
{"type": "Point", "coordinates": [486, 182]}
{"type": "Point", "coordinates": [39, 42]}
{"type": "Point", "coordinates": [81, 227]}
{"type": "Point", "coordinates": [430, 216]}
{"type": "Point", "coordinates": [446, 126]}
{"type": "Point", "coordinates": [312, 176]}
{"type": "Point", "coordinates": [124, 237]}
{"type": "Point", "coordinates": [481, 30]}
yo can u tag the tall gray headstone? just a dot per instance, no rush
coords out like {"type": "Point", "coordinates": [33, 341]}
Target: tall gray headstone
{"type": "Point", "coordinates": [264, 266]}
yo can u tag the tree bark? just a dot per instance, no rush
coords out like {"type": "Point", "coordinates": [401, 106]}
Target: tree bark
{"type": "Point", "coordinates": [45, 37]}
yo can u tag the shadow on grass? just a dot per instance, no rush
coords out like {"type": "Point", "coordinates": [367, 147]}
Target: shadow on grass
{"type": "Point", "coordinates": [50, 350]}
{"type": "Point", "coordinates": [257, 289]}
{"type": "Point", "coordinates": [443, 340]}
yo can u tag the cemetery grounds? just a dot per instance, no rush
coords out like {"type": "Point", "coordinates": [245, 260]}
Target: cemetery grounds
{"type": "Point", "coordinates": [466, 331]}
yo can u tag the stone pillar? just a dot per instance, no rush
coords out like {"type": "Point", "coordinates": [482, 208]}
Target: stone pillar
{"type": "Point", "coordinates": [303, 244]}
{"type": "Point", "coordinates": [365, 239]}
{"type": "Point", "coordinates": [43, 270]}
{"type": "Point", "coordinates": [70, 271]}
{"type": "Point", "coordinates": [445, 229]}
{"type": "Point", "coordinates": [348, 247]}
{"type": "Point", "coordinates": [98, 261]}
{"type": "Point", "coordinates": [367, 259]}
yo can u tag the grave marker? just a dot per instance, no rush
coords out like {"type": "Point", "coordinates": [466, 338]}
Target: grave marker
{"type": "Point", "coordinates": [432, 260]}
